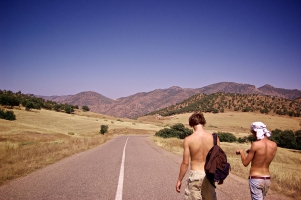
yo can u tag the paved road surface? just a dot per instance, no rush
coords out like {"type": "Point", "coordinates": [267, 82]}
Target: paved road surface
{"type": "Point", "coordinates": [149, 173]}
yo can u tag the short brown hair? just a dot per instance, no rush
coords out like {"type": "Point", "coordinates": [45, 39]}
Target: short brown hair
{"type": "Point", "coordinates": [197, 118]}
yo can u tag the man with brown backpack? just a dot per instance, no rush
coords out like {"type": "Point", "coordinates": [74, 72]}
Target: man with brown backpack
{"type": "Point", "coordinates": [196, 147]}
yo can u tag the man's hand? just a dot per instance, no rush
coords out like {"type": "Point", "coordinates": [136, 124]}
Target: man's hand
{"type": "Point", "coordinates": [178, 186]}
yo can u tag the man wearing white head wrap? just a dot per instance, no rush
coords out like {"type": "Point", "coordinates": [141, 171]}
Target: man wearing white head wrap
{"type": "Point", "coordinates": [260, 129]}
{"type": "Point", "coordinates": [260, 155]}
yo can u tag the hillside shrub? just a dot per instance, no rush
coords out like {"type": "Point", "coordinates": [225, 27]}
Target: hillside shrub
{"type": "Point", "coordinates": [85, 108]}
{"type": "Point", "coordinates": [56, 107]}
{"type": "Point", "coordinates": [69, 109]}
{"type": "Point", "coordinates": [48, 106]}
{"type": "Point", "coordinates": [9, 100]}
{"type": "Point", "coordinates": [178, 130]}
{"type": "Point", "coordinates": [298, 139]}
{"type": "Point", "coordinates": [2, 114]}
{"type": "Point", "coordinates": [285, 139]}
{"type": "Point", "coordinates": [183, 131]}
{"type": "Point", "coordinates": [226, 137]}
{"type": "Point", "coordinates": [251, 138]}
{"type": "Point", "coordinates": [167, 133]}
{"type": "Point", "coordinates": [28, 105]}
{"type": "Point", "coordinates": [104, 129]}
{"type": "Point", "coordinates": [242, 140]}
{"type": "Point", "coordinates": [8, 115]}
{"type": "Point", "coordinates": [216, 103]}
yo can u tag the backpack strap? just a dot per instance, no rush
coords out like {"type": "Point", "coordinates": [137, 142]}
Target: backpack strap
{"type": "Point", "coordinates": [214, 138]}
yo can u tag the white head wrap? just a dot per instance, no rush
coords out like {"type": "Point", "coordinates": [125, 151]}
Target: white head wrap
{"type": "Point", "coordinates": [260, 129]}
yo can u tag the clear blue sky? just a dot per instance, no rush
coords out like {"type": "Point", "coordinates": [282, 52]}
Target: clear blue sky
{"type": "Point", "coordinates": [120, 48]}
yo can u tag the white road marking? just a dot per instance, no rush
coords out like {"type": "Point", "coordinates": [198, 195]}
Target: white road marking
{"type": "Point", "coordinates": [121, 175]}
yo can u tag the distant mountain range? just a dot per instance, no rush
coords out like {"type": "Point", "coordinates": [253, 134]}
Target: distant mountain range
{"type": "Point", "coordinates": [142, 103]}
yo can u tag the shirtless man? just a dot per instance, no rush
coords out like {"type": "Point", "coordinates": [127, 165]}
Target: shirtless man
{"type": "Point", "coordinates": [260, 155]}
{"type": "Point", "coordinates": [196, 147]}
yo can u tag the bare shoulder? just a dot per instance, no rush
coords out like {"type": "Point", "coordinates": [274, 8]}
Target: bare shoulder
{"type": "Point", "coordinates": [262, 143]}
{"type": "Point", "coordinates": [273, 144]}
{"type": "Point", "coordinates": [187, 139]}
{"type": "Point", "coordinates": [256, 145]}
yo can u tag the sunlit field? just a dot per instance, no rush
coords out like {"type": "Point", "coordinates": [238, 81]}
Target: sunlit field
{"type": "Point", "coordinates": [41, 137]}
{"type": "Point", "coordinates": [237, 123]}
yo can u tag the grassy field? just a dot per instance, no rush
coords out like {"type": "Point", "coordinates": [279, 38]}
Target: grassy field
{"type": "Point", "coordinates": [237, 123]}
{"type": "Point", "coordinates": [285, 168]}
{"type": "Point", "coordinates": [41, 137]}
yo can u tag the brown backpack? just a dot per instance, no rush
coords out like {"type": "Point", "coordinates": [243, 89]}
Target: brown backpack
{"type": "Point", "coordinates": [216, 167]}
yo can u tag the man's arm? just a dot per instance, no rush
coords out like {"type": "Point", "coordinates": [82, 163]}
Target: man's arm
{"type": "Point", "coordinates": [184, 165]}
{"type": "Point", "coordinates": [247, 159]}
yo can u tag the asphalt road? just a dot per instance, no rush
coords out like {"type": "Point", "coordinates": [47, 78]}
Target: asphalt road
{"type": "Point", "coordinates": [148, 173]}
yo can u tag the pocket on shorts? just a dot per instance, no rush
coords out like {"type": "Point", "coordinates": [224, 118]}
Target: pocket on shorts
{"type": "Point", "coordinates": [192, 179]}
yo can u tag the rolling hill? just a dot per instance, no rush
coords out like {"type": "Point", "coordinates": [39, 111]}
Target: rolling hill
{"type": "Point", "coordinates": [142, 103]}
{"type": "Point", "coordinates": [221, 102]}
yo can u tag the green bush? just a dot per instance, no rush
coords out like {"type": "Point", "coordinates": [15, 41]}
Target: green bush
{"type": "Point", "coordinates": [9, 100]}
{"type": "Point", "coordinates": [167, 133]}
{"type": "Point", "coordinates": [56, 107]}
{"type": "Point", "coordinates": [104, 129]}
{"type": "Point", "coordinates": [85, 108]}
{"type": "Point", "coordinates": [298, 139]}
{"type": "Point", "coordinates": [285, 139]}
{"type": "Point", "coordinates": [226, 137]}
{"type": "Point", "coordinates": [251, 138]}
{"type": "Point", "coordinates": [2, 114]}
{"type": "Point", "coordinates": [28, 105]}
{"type": "Point", "coordinates": [177, 130]}
{"type": "Point", "coordinates": [69, 109]}
{"type": "Point", "coordinates": [242, 140]}
{"type": "Point", "coordinates": [181, 130]}
{"type": "Point", "coordinates": [8, 115]}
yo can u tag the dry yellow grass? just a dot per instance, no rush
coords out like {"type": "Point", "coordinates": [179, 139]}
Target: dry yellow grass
{"type": "Point", "coordinates": [171, 144]}
{"type": "Point", "coordinates": [285, 168]}
{"type": "Point", "coordinates": [80, 123]}
{"type": "Point", "coordinates": [22, 156]}
{"type": "Point", "coordinates": [237, 123]}
{"type": "Point", "coordinates": [41, 137]}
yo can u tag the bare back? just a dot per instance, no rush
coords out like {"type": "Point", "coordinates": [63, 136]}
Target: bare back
{"type": "Point", "coordinates": [263, 152]}
{"type": "Point", "coordinates": [200, 142]}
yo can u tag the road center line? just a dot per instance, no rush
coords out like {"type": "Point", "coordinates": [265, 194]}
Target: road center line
{"type": "Point", "coordinates": [121, 175]}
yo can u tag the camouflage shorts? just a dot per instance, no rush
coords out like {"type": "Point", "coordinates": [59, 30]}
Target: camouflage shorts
{"type": "Point", "coordinates": [194, 183]}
